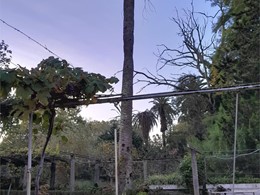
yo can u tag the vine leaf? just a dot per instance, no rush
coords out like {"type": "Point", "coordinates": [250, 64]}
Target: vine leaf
{"type": "Point", "coordinates": [64, 139]}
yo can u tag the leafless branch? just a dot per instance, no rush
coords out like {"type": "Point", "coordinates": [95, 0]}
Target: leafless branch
{"type": "Point", "coordinates": [194, 51]}
{"type": "Point", "coordinates": [148, 5]}
{"type": "Point", "coordinates": [151, 79]}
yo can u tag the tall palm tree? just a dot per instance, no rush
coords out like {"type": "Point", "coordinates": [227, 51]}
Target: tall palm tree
{"type": "Point", "coordinates": [145, 121]}
{"type": "Point", "coordinates": [125, 135]}
{"type": "Point", "coordinates": [164, 110]}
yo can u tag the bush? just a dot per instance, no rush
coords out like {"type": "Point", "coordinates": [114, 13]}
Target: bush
{"type": "Point", "coordinates": [174, 178]}
{"type": "Point", "coordinates": [185, 170]}
{"type": "Point", "coordinates": [81, 185]}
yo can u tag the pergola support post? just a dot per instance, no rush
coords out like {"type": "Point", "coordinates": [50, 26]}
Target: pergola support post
{"type": "Point", "coordinates": [53, 174]}
{"type": "Point", "coordinates": [29, 163]}
{"type": "Point", "coordinates": [195, 177]}
{"type": "Point", "coordinates": [145, 169]}
{"type": "Point", "coordinates": [72, 173]}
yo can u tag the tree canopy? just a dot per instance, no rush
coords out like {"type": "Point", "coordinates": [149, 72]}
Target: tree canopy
{"type": "Point", "coordinates": [52, 84]}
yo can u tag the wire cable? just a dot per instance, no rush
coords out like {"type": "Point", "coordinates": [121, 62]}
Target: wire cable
{"type": "Point", "coordinates": [239, 155]}
{"type": "Point", "coordinates": [35, 41]}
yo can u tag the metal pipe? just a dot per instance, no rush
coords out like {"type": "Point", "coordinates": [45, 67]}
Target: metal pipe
{"type": "Point", "coordinates": [118, 98]}
{"type": "Point", "coordinates": [175, 93]}
{"type": "Point", "coordinates": [116, 174]}
{"type": "Point", "coordinates": [29, 162]}
{"type": "Point", "coordinates": [235, 146]}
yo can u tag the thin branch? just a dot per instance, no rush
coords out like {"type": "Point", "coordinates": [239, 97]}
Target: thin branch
{"type": "Point", "coordinates": [153, 80]}
{"type": "Point", "coordinates": [194, 53]}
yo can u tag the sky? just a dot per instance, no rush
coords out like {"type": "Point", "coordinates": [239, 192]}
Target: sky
{"type": "Point", "coordinates": [89, 34]}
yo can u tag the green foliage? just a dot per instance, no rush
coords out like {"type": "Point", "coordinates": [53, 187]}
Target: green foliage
{"type": "Point", "coordinates": [145, 121]}
{"type": "Point", "coordinates": [5, 54]}
{"type": "Point", "coordinates": [237, 61]}
{"type": "Point", "coordinates": [163, 109]}
{"type": "Point", "coordinates": [183, 175]}
{"type": "Point", "coordinates": [142, 193]}
{"type": "Point", "coordinates": [71, 134]}
{"type": "Point", "coordinates": [80, 136]}
{"type": "Point", "coordinates": [185, 169]}
{"type": "Point", "coordinates": [108, 135]}
{"type": "Point", "coordinates": [177, 140]}
{"type": "Point", "coordinates": [174, 178]}
{"type": "Point", "coordinates": [233, 60]}
{"type": "Point", "coordinates": [86, 186]}
{"type": "Point", "coordinates": [193, 108]}
{"type": "Point", "coordinates": [53, 83]}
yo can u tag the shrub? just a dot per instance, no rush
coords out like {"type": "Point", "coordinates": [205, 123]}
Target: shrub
{"type": "Point", "coordinates": [174, 178]}
{"type": "Point", "coordinates": [185, 170]}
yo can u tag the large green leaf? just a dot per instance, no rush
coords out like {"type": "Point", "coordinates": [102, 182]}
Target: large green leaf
{"type": "Point", "coordinates": [64, 139]}
{"type": "Point", "coordinates": [43, 97]}
{"type": "Point", "coordinates": [52, 80]}
{"type": "Point", "coordinates": [24, 92]}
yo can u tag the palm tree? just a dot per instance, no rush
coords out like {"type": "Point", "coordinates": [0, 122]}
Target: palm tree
{"type": "Point", "coordinates": [192, 108]}
{"type": "Point", "coordinates": [125, 135]}
{"type": "Point", "coordinates": [163, 109]}
{"type": "Point", "coordinates": [145, 121]}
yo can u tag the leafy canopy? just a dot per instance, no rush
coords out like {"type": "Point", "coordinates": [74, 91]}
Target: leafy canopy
{"type": "Point", "coordinates": [52, 84]}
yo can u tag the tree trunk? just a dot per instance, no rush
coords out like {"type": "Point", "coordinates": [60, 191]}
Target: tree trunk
{"type": "Point", "coordinates": [39, 173]}
{"type": "Point", "coordinates": [163, 122]}
{"type": "Point", "coordinates": [125, 137]}
{"type": "Point", "coordinates": [164, 141]}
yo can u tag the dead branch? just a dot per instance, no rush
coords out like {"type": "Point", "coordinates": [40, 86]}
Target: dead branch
{"type": "Point", "coordinates": [151, 79]}
{"type": "Point", "coordinates": [194, 52]}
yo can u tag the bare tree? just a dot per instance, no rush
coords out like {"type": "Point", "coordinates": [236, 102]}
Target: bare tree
{"type": "Point", "coordinates": [194, 53]}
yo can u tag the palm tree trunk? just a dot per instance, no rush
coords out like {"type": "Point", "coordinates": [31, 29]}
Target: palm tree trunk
{"type": "Point", "coordinates": [163, 139]}
{"type": "Point", "coordinates": [125, 136]}
{"type": "Point", "coordinates": [163, 122]}
{"type": "Point", "coordinates": [163, 130]}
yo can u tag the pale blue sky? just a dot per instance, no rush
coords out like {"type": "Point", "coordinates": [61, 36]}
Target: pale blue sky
{"type": "Point", "coordinates": [88, 34]}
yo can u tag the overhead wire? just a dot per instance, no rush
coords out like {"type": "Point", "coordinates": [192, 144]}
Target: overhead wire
{"type": "Point", "coordinates": [29, 37]}
{"type": "Point", "coordinates": [230, 158]}
{"type": "Point", "coordinates": [175, 93]}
